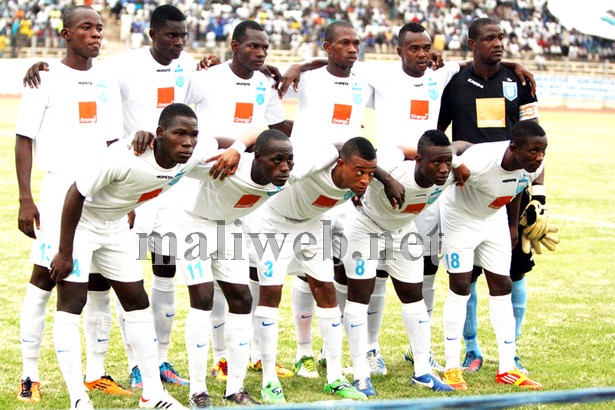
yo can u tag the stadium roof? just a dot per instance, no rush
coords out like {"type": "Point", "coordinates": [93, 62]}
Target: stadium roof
{"type": "Point", "coordinates": [597, 17]}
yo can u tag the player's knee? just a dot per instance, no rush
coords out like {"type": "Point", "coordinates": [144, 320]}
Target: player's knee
{"type": "Point", "coordinates": [241, 302]}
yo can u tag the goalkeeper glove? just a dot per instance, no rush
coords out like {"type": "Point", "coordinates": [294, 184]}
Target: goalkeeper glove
{"type": "Point", "coordinates": [534, 219]}
{"type": "Point", "coordinates": [549, 240]}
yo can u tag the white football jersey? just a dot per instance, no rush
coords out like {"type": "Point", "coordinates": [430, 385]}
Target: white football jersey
{"type": "Point", "coordinates": [70, 116]}
{"type": "Point", "coordinates": [120, 181]}
{"type": "Point", "coordinates": [490, 188]}
{"type": "Point", "coordinates": [227, 104]}
{"type": "Point", "coordinates": [377, 207]}
{"type": "Point", "coordinates": [313, 194]}
{"type": "Point", "coordinates": [147, 86]}
{"type": "Point", "coordinates": [330, 108]}
{"type": "Point", "coordinates": [405, 106]}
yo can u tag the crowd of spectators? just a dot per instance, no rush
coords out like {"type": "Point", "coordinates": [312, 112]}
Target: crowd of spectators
{"type": "Point", "coordinates": [298, 25]}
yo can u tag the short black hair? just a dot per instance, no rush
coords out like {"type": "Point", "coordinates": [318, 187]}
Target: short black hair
{"type": "Point", "coordinates": [411, 27]}
{"type": "Point", "coordinates": [478, 24]}
{"type": "Point", "coordinates": [266, 139]}
{"type": "Point", "coordinates": [173, 110]}
{"type": "Point", "coordinates": [239, 34]}
{"type": "Point", "coordinates": [68, 19]}
{"type": "Point", "coordinates": [164, 13]}
{"type": "Point", "coordinates": [358, 146]}
{"type": "Point", "coordinates": [524, 130]}
{"type": "Point", "coordinates": [331, 29]}
{"type": "Point", "coordinates": [432, 138]}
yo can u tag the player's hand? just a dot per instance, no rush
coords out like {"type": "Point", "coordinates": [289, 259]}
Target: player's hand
{"type": "Point", "coordinates": [28, 219]}
{"type": "Point", "coordinates": [357, 200]}
{"type": "Point", "coordinates": [535, 220]}
{"type": "Point", "coordinates": [525, 75]}
{"type": "Point", "coordinates": [226, 164]}
{"type": "Point", "coordinates": [435, 60]}
{"type": "Point", "coordinates": [291, 76]}
{"type": "Point", "coordinates": [272, 71]}
{"type": "Point", "coordinates": [32, 77]}
{"type": "Point", "coordinates": [462, 173]}
{"type": "Point", "coordinates": [208, 60]}
{"type": "Point", "coordinates": [131, 219]}
{"type": "Point", "coordinates": [395, 192]}
{"type": "Point", "coordinates": [141, 140]}
{"type": "Point", "coordinates": [61, 266]}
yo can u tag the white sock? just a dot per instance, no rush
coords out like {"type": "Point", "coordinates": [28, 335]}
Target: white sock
{"type": "Point", "coordinates": [375, 312]}
{"type": "Point", "coordinates": [453, 317]}
{"type": "Point", "coordinates": [197, 347]}
{"type": "Point", "coordinates": [255, 352]}
{"type": "Point", "coordinates": [503, 322]}
{"type": "Point", "coordinates": [355, 324]}
{"type": "Point", "coordinates": [97, 330]}
{"type": "Point", "coordinates": [418, 326]}
{"type": "Point", "coordinates": [218, 322]}
{"type": "Point", "coordinates": [302, 303]}
{"type": "Point", "coordinates": [32, 325]}
{"type": "Point", "coordinates": [67, 341]}
{"type": "Point", "coordinates": [330, 325]}
{"type": "Point", "coordinates": [429, 292]}
{"type": "Point", "coordinates": [162, 299]}
{"type": "Point", "coordinates": [238, 344]}
{"type": "Point", "coordinates": [142, 338]}
{"type": "Point", "coordinates": [341, 294]}
{"type": "Point", "coordinates": [267, 319]}
{"type": "Point", "coordinates": [130, 355]}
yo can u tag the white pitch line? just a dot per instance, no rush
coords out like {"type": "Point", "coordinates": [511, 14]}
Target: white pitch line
{"type": "Point", "coordinates": [600, 224]}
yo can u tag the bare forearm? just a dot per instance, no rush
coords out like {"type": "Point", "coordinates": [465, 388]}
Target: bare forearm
{"type": "Point", "coordinates": [23, 167]}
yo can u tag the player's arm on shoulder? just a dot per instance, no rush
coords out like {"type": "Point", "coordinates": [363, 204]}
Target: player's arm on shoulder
{"type": "Point", "coordinates": [62, 264]}
{"type": "Point", "coordinates": [226, 162]}
{"type": "Point", "coordinates": [285, 126]}
{"type": "Point", "coordinates": [523, 74]}
{"type": "Point", "coordinates": [394, 190]}
{"type": "Point", "coordinates": [32, 78]}
{"type": "Point", "coordinates": [292, 76]}
{"type": "Point", "coordinates": [28, 217]}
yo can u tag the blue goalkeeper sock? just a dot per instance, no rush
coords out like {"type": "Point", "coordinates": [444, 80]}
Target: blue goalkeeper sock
{"type": "Point", "coordinates": [470, 328]}
{"type": "Point", "coordinates": [519, 302]}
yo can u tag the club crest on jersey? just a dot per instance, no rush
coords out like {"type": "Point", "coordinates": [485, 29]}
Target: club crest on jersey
{"type": "Point", "coordinates": [434, 196]}
{"type": "Point", "coordinates": [102, 91]}
{"type": "Point", "coordinates": [523, 182]}
{"type": "Point", "coordinates": [433, 89]}
{"type": "Point", "coordinates": [356, 94]}
{"type": "Point", "coordinates": [510, 90]}
{"type": "Point", "coordinates": [179, 76]}
{"type": "Point", "coordinates": [260, 93]}
{"type": "Point", "coordinates": [177, 177]}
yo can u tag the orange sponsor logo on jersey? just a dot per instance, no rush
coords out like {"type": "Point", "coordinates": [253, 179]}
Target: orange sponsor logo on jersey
{"type": "Point", "coordinates": [244, 112]}
{"type": "Point", "coordinates": [490, 113]}
{"type": "Point", "coordinates": [500, 202]}
{"type": "Point", "coordinates": [419, 110]}
{"type": "Point", "coordinates": [247, 201]}
{"type": "Point", "coordinates": [87, 112]}
{"type": "Point", "coordinates": [166, 96]}
{"type": "Point", "coordinates": [149, 195]}
{"type": "Point", "coordinates": [414, 208]}
{"type": "Point", "coordinates": [325, 202]}
{"type": "Point", "coordinates": [341, 114]}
